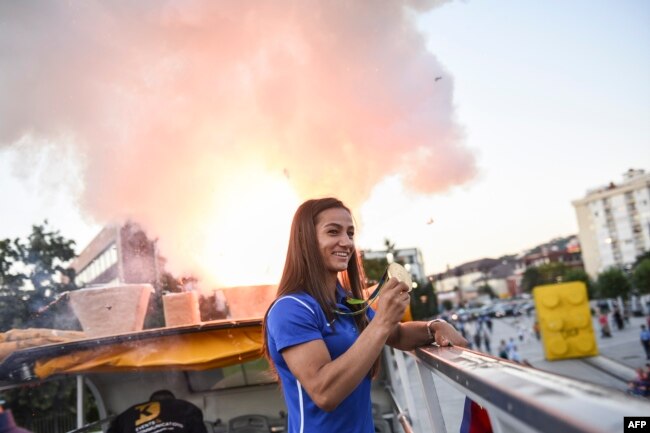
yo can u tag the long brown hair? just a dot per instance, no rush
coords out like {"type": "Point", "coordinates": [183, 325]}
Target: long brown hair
{"type": "Point", "coordinates": [304, 270]}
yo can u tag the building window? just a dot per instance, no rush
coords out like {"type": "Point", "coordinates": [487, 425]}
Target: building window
{"type": "Point", "coordinates": [99, 265]}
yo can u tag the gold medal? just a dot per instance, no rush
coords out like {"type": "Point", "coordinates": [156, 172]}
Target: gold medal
{"type": "Point", "coordinates": [394, 270]}
{"type": "Point", "coordinates": [398, 271]}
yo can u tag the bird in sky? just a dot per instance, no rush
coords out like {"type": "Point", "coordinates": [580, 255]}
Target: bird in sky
{"type": "Point", "coordinates": [438, 78]}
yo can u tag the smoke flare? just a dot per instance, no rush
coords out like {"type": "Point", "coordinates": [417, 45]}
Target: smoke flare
{"type": "Point", "coordinates": [170, 106]}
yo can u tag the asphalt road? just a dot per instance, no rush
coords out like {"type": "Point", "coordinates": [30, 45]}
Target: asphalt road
{"type": "Point", "coordinates": [620, 354]}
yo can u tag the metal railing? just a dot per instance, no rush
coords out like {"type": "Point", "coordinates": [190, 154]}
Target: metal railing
{"type": "Point", "coordinates": [517, 398]}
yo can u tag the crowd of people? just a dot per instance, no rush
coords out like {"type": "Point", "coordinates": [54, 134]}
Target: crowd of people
{"type": "Point", "coordinates": [478, 333]}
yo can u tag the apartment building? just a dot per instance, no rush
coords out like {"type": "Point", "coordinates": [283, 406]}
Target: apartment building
{"type": "Point", "coordinates": [614, 222]}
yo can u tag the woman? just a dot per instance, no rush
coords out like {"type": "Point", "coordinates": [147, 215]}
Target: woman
{"type": "Point", "coordinates": [325, 356]}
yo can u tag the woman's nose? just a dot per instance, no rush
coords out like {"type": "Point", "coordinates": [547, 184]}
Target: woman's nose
{"type": "Point", "coordinates": [346, 241]}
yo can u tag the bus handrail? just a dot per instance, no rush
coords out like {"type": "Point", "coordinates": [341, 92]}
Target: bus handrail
{"type": "Point", "coordinates": [522, 398]}
{"type": "Point", "coordinates": [402, 417]}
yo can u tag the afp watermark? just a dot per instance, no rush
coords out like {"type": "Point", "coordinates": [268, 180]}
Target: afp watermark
{"type": "Point", "coordinates": [636, 424]}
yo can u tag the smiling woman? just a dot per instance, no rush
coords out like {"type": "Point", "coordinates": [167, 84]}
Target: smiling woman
{"type": "Point", "coordinates": [324, 348]}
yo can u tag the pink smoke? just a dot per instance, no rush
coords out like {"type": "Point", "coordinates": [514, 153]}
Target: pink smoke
{"type": "Point", "coordinates": [164, 101]}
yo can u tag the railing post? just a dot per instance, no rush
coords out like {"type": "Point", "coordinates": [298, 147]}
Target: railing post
{"type": "Point", "coordinates": [436, 420]}
{"type": "Point", "coordinates": [402, 370]}
{"type": "Point", "coordinates": [80, 401]}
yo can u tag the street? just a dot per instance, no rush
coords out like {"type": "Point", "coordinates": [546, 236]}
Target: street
{"type": "Point", "coordinates": [623, 349]}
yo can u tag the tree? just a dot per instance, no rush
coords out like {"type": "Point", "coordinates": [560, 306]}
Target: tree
{"type": "Point", "coordinates": [374, 269]}
{"type": "Point", "coordinates": [390, 246]}
{"type": "Point", "coordinates": [531, 278]}
{"type": "Point", "coordinates": [612, 283]}
{"type": "Point", "coordinates": [552, 272]}
{"type": "Point", "coordinates": [52, 402]}
{"type": "Point", "coordinates": [424, 303]}
{"type": "Point", "coordinates": [486, 289]}
{"type": "Point", "coordinates": [555, 272]}
{"type": "Point", "coordinates": [33, 273]}
{"type": "Point", "coordinates": [580, 275]}
{"type": "Point", "coordinates": [641, 276]}
{"type": "Point", "coordinates": [640, 258]}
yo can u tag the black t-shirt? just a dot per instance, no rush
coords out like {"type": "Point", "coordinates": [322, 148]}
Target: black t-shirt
{"type": "Point", "coordinates": [160, 416]}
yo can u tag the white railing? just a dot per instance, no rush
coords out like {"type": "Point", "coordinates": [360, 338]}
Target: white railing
{"type": "Point", "coordinates": [518, 399]}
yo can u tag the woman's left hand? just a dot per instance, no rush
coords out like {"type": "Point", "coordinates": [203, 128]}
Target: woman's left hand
{"type": "Point", "coordinates": [446, 335]}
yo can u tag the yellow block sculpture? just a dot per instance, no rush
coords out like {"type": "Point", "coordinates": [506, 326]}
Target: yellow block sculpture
{"type": "Point", "coordinates": [565, 320]}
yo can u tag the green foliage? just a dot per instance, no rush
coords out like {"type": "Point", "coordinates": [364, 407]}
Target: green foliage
{"type": "Point", "coordinates": [33, 273]}
{"type": "Point", "coordinates": [374, 269]}
{"type": "Point", "coordinates": [424, 303]}
{"type": "Point", "coordinates": [47, 399]}
{"type": "Point", "coordinates": [486, 289]}
{"type": "Point", "coordinates": [641, 258]}
{"type": "Point", "coordinates": [612, 283]}
{"type": "Point", "coordinates": [581, 275]}
{"type": "Point", "coordinates": [555, 272]}
{"type": "Point", "coordinates": [552, 272]}
{"type": "Point", "coordinates": [531, 278]}
{"type": "Point", "coordinates": [641, 276]}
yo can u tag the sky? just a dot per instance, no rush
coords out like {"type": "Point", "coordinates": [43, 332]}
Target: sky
{"type": "Point", "coordinates": [462, 128]}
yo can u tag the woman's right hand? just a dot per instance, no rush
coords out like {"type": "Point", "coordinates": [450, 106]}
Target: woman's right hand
{"type": "Point", "coordinates": [392, 302]}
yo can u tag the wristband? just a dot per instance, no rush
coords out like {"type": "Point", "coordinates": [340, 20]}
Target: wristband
{"type": "Point", "coordinates": [432, 335]}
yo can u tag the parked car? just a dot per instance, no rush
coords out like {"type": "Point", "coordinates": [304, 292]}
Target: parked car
{"type": "Point", "coordinates": [524, 308]}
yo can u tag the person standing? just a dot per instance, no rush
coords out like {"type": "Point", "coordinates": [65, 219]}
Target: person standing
{"type": "Point", "coordinates": [604, 324]}
{"type": "Point", "coordinates": [513, 354]}
{"type": "Point", "coordinates": [645, 340]}
{"type": "Point", "coordinates": [478, 337]}
{"type": "Point", "coordinates": [536, 330]}
{"type": "Point", "coordinates": [324, 349]}
{"type": "Point", "coordinates": [162, 413]}
{"type": "Point", "coordinates": [503, 349]}
{"type": "Point", "coordinates": [486, 340]}
{"type": "Point", "coordinates": [618, 318]}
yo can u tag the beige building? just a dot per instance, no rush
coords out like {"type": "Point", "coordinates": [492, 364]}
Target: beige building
{"type": "Point", "coordinates": [614, 222]}
{"type": "Point", "coordinates": [411, 258]}
{"type": "Point", "coordinates": [460, 284]}
{"type": "Point", "coordinates": [118, 254]}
